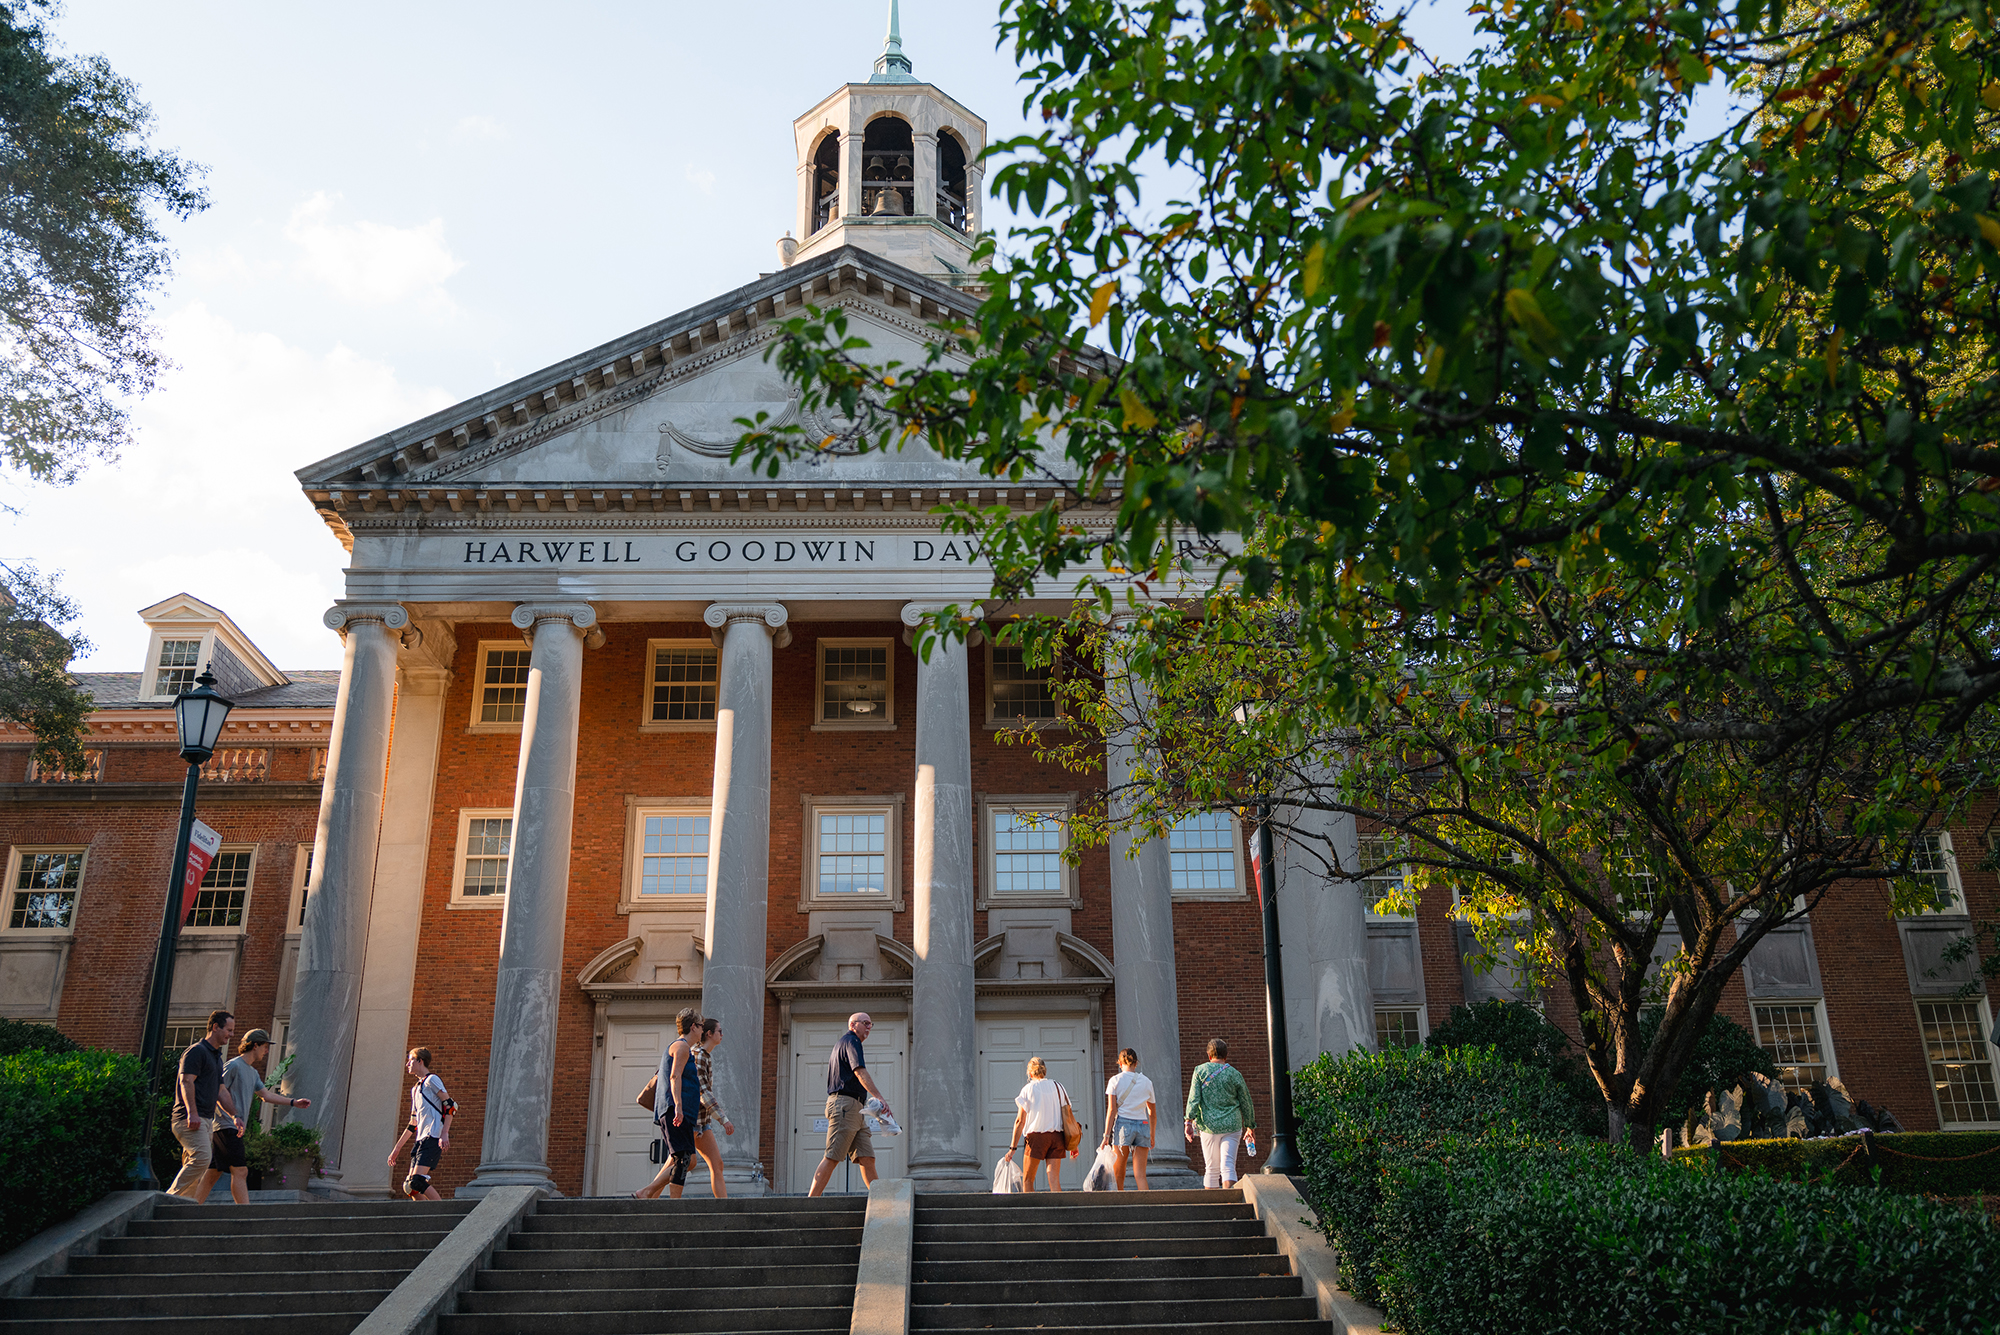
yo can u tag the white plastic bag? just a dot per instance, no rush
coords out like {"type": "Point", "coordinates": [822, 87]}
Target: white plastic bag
{"type": "Point", "coordinates": [1101, 1176]}
{"type": "Point", "coordinates": [1006, 1178]}
{"type": "Point", "coordinates": [880, 1119]}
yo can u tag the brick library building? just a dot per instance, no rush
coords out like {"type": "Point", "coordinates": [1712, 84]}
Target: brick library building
{"type": "Point", "coordinates": [622, 727]}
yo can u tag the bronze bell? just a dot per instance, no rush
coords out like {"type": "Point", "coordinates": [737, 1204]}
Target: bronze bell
{"type": "Point", "coordinates": [889, 203]}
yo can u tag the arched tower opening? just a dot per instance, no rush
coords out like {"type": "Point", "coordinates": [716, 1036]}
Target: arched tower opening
{"type": "Point", "coordinates": [952, 208]}
{"type": "Point", "coordinates": [888, 168]}
{"type": "Point", "coordinates": [826, 182]}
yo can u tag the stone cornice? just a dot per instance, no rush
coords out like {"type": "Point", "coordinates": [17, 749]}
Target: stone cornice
{"type": "Point", "coordinates": [777, 517]}
{"type": "Point", "coordinates": [157, 792]}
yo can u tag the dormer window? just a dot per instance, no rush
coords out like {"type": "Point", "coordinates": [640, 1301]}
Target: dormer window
{"type": "Point", "coordinates": [175, 670]}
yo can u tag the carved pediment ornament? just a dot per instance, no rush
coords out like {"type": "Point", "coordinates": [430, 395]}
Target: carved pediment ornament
{"type": "Point", "coordinates": [720, 444]}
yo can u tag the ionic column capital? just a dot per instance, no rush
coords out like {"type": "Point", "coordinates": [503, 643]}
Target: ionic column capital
{"type": "Point", "coordinates": [344, 614]}
{"type": "Point", "coordinates": [771, 616]}
{"type": "Point", "coordinates": [582, 617]}
{"type": "Point", "coordinates": [914, 614]}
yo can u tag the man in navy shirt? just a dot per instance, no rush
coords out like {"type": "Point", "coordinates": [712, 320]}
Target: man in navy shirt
{"type": "Point", "coordinates": [848, 1086]}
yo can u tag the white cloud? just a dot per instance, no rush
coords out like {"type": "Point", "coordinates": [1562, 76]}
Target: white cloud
{"type": "Point", "coordinates": [472, 128]}
{"type": "Point", "coordinates": [368, 263]}
{"type": "Point", "coordinates": [701, 179]}
{"type": "Point", "coordinates": [205, 502]}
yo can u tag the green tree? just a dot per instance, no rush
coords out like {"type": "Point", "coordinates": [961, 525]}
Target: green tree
{"type": "Point", "coordinates": [80, 250]}
{"type": "Point", "coordinates": [35, 652]}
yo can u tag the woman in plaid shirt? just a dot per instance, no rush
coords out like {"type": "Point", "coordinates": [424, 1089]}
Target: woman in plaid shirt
{"type": "Point", "coordinates": [705, 1142]}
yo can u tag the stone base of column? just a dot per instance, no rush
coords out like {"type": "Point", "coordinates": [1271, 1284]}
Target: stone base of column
{"type": "Point", "coordinates": [1170, 1172]}
{"type": "Point", "coordinates": [949, 1173]}
{"type": "Point", "coordinates": [490, 1176]}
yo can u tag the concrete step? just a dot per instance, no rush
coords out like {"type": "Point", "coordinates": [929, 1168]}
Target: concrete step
{"type": "Point", "coordinates": [570, 1321]}
{"type": "Point", "coordinates": [639, 1225]}
{"type": "Point", "coordinates": [1129, 1267]}
{"type": "Point", "coordinates": [346, 1245]}
{"type": "Point", "coordinates": [323, 1323]}
{"type": "Point", "coordinates": [673, 1298]}
{"type": "Point", "coordinates": [107, 1262]}
{"type": "Point", "coordinates": [244, 1224]}
{"type": "Point", "coordinates": [566, 1257]}
{"type": "Point", "coordinates": [1092, 1247]}
{"type": "Point", "coordinates": [180, 1281]}
{"type": "Point", "coordinates": [743, 1238]}
{"type": "Point", "coordinates": [1247, 1326]}
{"type": "Point", "coordinates": [677, 1275]}
{"type": "Point", "coordinates": [1220, 1212]}
{"type": "Point", "coordinates": [225, 1300]}
{"type": "Point", "coordinates": [1028, 1200]}
{"type": "Point", "coordinates": [314, 1210]}
{"type": "Point", "coordinates": [1022, 1287]}
{"type": "Point", "coordinates": [625, 1205]}
{"type": "Point", "coordinates": [1066, 1233]}
{"type": "Point", "coordinates": [1206, 1314]}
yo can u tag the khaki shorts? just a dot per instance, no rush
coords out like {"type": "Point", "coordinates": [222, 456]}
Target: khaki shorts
{"type": "Point", "coordinates": [847, 1134]}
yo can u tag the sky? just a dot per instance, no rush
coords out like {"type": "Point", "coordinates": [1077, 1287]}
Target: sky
{"type": "Point", "coordinates": [411, 204]}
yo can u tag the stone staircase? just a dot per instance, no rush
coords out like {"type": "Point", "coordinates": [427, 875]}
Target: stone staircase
{"type": "Point", "coordinates": [1118, 1263]}
{"type": "Point", "coordinates": [306, 1269]}
{"type": "Point", "coordinates": [686, 1267]}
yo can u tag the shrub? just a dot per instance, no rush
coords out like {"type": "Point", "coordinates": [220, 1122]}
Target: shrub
{"type": "Point", "coordinates": [1523, 1035]}
{"type": "Point", "coordinates": [1589, 1238]}
{"type": "Point", "coordinates": [20, 1036]}
{"type": "Point", "coordinates": [1937, 1163]}
{"type": "Point", "coordinates": [70, 1124]}
{"type": "Point", "coordinates": [1363, 1113]}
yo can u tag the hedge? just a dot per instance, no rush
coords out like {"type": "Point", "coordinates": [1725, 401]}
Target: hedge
{"type": "Point", "coordinates": [1936, 1163]}
{"type": "Point", "coordinates": [70, 1125]}
{"type": "Point", "coordinates": [1590, 1239]}
{"type": "Point", "coordinates": [1363, 1111]}
{"type": "Point", "coordinates": [20, 1036]}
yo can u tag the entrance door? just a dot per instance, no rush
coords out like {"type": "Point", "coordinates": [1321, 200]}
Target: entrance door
{"type": "Point", "coordinates": [1004, 1048]}
{"type": "Point", "coordinates": [632, 1055]}
{"type": "Point", "coordinates": [812, 1042]}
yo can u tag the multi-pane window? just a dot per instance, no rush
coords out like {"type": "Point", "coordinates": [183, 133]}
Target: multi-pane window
{"type": "Point", "coordinates": [45, 889]}
{"type": "Point", "coordinates": [92, 771]}
{"type": "Point", "coordinates": [179, 1038]}
{"type": "Point", "coordinates": [854, 683]}
{"type": "Point", "coordinates": [673, 854]}
{"type": "Point", "coordinates": [1933, 866]}
{"type": "Point", "coordinates": [1961, 1061]}
{"type": "Point", "coordinates": [224, 891]}
{"type": "Point", "coordinates": [302, 870]}
{"type": "Point", "coordinates": [175, 670]}
{"type": "Point", "coordinates": [488, 844]}
{"type": "Point", "coordinates": [1027, 854]}
{"type": "Point", "coordinates": [852, 852]}
{"type": "Point", "coordinates": [682, 688]}
{"type": "Point", "coordinates": [1396, 1027]}
{"type": "Point", "coordinates": [1380, 881]}
{"type": "Point", "coordinates": [503, 687]}
{"type": "Point", "coordinates": [1201, 853]}
{"type": "Point", "coordinates": [1791, 1035]}
{"type": "Point", "coordinates": [1019, 693]}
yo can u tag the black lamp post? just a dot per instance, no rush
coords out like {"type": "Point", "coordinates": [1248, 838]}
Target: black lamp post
{"type": "Point", "coordinates": [1283, 1157]}
{"type": "Point", "coordinates": [198, 718]}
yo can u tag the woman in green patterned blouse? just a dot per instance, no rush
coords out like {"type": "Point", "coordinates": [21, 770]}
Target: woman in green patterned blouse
{"type": "Point", "coordinates": [1218, 1106]}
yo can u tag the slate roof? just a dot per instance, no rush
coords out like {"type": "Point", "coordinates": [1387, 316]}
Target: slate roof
{"type": "Point", "coordinates": [309, 688]}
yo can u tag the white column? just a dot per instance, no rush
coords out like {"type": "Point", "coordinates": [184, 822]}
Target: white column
{"type": "Point", "coordinates": [396, 911]}
{"type": "Point", "coordinates": [808, 203]}
{"type": "Point", "coordinates": [850, 184]}
{"type": "Point", "coordinates": [739, 861]}
{"type": "Point", "coordinates": [526, 995]}
{"type": "Point", "coordinates": [925, 143]}
{"type": "Point", "coordinates": [944, 1084]}
{"type": "Point", "coordinates": [975, 217]}
{"type": "Point", "coordinates": [326, 999]}
{"type": "Point", "coordinates": [1142, 950]}
{"type": "Point", "coordinates": [1329, 1003]}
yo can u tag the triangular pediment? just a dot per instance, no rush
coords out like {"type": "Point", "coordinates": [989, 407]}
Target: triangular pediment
{"type": "Point", "coordinates": [659, 406]}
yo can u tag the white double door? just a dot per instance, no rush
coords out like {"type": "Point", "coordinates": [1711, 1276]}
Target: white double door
{"type": "Point", "coordinates": [626, 1131]}
{"type": "Point", "coordinates": [1005, 1044]}
{"type": "Point", "coordinates": [887, 1053]}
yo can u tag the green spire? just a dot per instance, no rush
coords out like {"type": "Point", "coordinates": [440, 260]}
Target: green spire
{"type": "Point", "coordinates": [892, 66]}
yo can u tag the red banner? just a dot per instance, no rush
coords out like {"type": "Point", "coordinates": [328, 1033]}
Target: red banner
{"type": "Point", "coordinates": [203, 845]}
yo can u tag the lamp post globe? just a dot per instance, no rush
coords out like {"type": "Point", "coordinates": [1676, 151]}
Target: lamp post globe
{"type": "Point", "coordinates": [198, 718]}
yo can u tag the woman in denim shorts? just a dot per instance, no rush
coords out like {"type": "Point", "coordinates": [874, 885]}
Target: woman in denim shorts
{"type": "Point", "coordinates": [1130, 1118]}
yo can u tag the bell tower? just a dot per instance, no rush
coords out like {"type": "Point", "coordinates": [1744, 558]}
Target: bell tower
{"type": "Point", "coordinates": [891, 166]}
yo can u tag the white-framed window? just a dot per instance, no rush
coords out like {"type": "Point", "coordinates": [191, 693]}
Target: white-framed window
{"type": "Point", "coordinates": [222, 904]}
{"type": "Point", "coordinates": [302, 870]}
{"type": "Point", "coordinates": [854, 851]}
{"type": "Point", "coordinates": [92, 771]}
{"type": "Point", "coordinates": [1795, 1034]}
{"type": "Point", "coordinates": [485, 847]}
{"type": "Point", "coordinates": [857, 685]}
{"type": "Point", "coordinates": [180, 1036]}
{"type": "Point", "coordinates": [500, 687]}
{"type": "Point", "coordinates": [43, 886]}
{"type": "Point", "coordinates": [1379, 882]}
{"type": "Point", "coordinates": [1957, 1044]}
{"type": "Point", "coordinates": [1016, 693]}
{"type": "Point", "coordinates": [1935, 866]}
{"type": "Point", "coordinates": [667, 853]}
{"type": "Point", "coordinates": [176, 663]}
{"type": "Point", "coordinates": [1024, 839]}
{"type": "Point", "coordinates": [1205, 857]}
{"type": "Point", "coordinates": [681, 682]}
{"type": "Point", "coordinates": [1400, 1027]}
